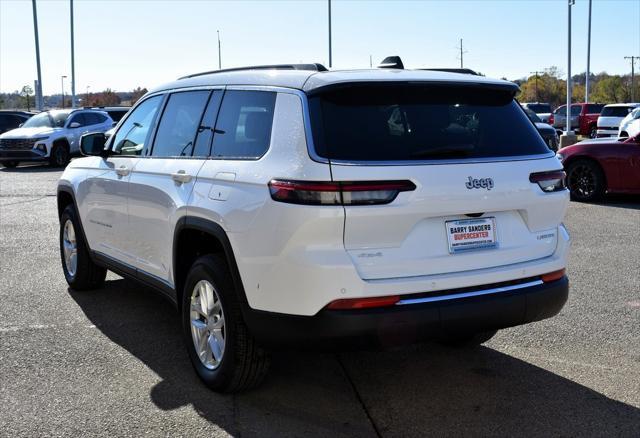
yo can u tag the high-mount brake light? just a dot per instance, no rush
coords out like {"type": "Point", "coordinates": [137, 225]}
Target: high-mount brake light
{"type": "Point", "coordinates": [552, 181]}
{"type": "Point", "coordinates": [337, 193]}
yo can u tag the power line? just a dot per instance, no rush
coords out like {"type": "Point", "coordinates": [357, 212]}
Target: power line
{"type": "Point", "coordinates": [633, 82]}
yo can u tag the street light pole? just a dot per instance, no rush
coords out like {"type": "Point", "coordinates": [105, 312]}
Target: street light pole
{"type": "Point", "coordinates": [86, 103]}
{"type": "Point", "coordinates": [586, 82]}
{"type": "Point", "coordinates": [219, 53]}
{"type": "Point", "coordinates": [62, 81]}
{"type": "Point", "coordinates": [40, 98]}
{"type": "Point", "coordinates": [330, 60]}
{"type": "Point", "coordinates": [73, 67]}
{"type": "Point", "coordinates": [568, 128]}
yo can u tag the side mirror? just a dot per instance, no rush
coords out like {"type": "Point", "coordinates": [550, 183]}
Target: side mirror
{"type": "Point", "coordinates": [74, 125]}
{"type": "Point", "coordinates": [93, 144]}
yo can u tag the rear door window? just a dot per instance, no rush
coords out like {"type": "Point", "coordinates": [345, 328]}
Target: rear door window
{"type": "Point", "coordinates": [420, 122]}
{"type": "Point", "coordinates": [594, 108]}
{"type": "Point", "coordinates": [243, 129]}
{"type": "Point", "coordinates": [576, 110]}
{"type": "Point", "coordinates": [179, 124]}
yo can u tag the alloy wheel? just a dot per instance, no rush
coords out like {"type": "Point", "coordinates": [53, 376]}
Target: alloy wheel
{"type": "Point", "coordinates": [582, 181]}
{"type": "Point", "coordinates": [70, 248]}
{"type": "Point", "coordinates": [207, 324]}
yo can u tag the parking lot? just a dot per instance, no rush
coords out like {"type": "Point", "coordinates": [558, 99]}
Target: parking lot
{"type": "Point", "coordinates": [111, 362]}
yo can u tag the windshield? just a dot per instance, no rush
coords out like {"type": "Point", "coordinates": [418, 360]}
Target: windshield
{"type": "Point", "coordinates": [47, 120]}
{"type": "Point", "coordinates": [417, 122]}
{"type": "Point", "coordinates": [616, 111]}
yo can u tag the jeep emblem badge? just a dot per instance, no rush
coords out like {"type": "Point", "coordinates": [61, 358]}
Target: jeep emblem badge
{"type": "Point", "coordinates": [479, 183]}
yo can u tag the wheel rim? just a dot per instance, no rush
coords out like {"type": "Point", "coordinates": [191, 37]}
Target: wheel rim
{"type": "Point", "coordinates": [207, 324]}
{"type": "Point", "coordinates": [70, 248]}
{"type": "Point", "coordinates": [582, 181]}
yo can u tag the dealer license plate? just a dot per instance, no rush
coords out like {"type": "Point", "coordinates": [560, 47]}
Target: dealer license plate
{"type": "Point", "coordinates": [470, 234]}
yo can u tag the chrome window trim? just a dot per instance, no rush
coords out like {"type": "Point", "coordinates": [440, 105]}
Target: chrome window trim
{"type": "Point", "coordinates": [476, 293]}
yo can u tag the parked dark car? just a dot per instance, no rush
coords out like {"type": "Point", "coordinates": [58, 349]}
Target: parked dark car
{"type": "Point", "coordinates": [607, 165]}
{"type": "Point", "coordinates": [548, 132]}
{"type": "Point", "coordinates": [12, 119]}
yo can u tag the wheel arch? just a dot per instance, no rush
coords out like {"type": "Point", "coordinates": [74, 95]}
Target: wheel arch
{"type": "Point", "coordinates": [194, 237]}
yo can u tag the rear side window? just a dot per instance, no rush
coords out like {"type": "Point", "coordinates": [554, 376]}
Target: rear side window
{"type": "Point", "coordinates": [575, 110]}
{"type": "Point", "coordinates": [243, 129]}
{"type": "Point", "coordinates": [615, 111]}
{"type": "Point", "coordinates": [116, 115]}
{"type": "Point", "coordinates": [179, 124]}
{"type": "Point", "coordinates": [539, 108]}
{"type": "Point", "coordinates": [411, 122]}
{"type": "Point", "coordinates": [594, 108]}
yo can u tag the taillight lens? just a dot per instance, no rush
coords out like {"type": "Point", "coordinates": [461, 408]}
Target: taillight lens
{"type": "Point", "coordinates": [551, 119]}
{"type": "Point", "coordinates": [337, 193]}
{"type": "Point", "coordinates": [549, 181]}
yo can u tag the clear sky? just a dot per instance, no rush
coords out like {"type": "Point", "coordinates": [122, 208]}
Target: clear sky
{"type": "Point", "coordinates": [124, 44]}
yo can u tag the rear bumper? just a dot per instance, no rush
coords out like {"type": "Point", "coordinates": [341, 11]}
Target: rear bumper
{"type": "Point", "coordinates": [410, 323]}
{"type": "Point", "coordinates": [607, 132]}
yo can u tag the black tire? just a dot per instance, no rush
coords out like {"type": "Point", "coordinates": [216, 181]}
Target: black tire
{"type": "Point", "coordinates": [593, 132]}
{"type": "Point", "coordinates": [244, 364]}
{"type": "Point", "coordinates": [467, 340]}
{"type": "Point", "coordinates": [59, 156]}
{"type": "Point", "coordinates": [624, 134]}
{"type": "Point", "coordinates": [87, 274]}
{"type": "Point", "coordinates": [585, 180]}
{"type": "Point", "coordinates": [10, 164]}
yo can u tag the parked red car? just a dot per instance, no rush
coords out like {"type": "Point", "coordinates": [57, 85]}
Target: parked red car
{"type": "Point", "coordinates": [584, 118]}
{"type": "Point", "coordinates": [604, 165]}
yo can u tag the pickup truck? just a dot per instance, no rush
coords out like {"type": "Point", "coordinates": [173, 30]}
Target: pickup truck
{"type": "Point", "coordinates": [584, 118]}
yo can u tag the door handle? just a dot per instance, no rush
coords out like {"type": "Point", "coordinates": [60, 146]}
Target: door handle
{"type": "Point", "coordinates": [123, 170]}
{"type": "Point", "coordinates": [181, 177]}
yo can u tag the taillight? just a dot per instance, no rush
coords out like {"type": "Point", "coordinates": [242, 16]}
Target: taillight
{"type": "Point", "coordinates": [337, 193]}
{"type": "Point", "coordinates": [551, 120]}
{"type": "Point", "coordinates": [552, 181]}
{"type": "Point", "coordinates": [363, 303]}
{"type": "Point", "coordinates": [553, 276]}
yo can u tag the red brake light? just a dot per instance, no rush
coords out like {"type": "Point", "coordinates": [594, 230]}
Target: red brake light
{"type": "Point", "coordinates": [552, 181]}
{"type": "Point", "coordinates": [553, 276]}
{"type": "Point", "coordinates": [363, 303]}
{"type": "Point", "coordinates": [337, 193]}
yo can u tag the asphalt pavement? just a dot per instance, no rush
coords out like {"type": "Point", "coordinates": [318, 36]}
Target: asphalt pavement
{"type": "Point", "coordinates": [111, 362]}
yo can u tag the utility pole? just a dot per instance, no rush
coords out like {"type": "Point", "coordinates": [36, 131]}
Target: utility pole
{"type": "Point", "coordinates": [40, 98]}
{"type": "Point", "coordinates": [370, 61]}
{"type": "Point", "coordinates": [86, 103]}
{"type": "Point", "coordinates": [73, 68]}
{"type": "Point", "coordinates": [462, 52]}
{"type": "Point", "coordinates": [330, 60]}
{"type": "Point", "coordinates": [536, 73]}
{"type": "Point", "coordinates": [586, 81]}
{"type": "Point", "coordinates": [569, 4]}
{"type": "Point", "coordinates": [219, 52]}
{"type": "Point", "coordinates": [633, 74]}
{"type": "Point", "coordinates": [62, 81]}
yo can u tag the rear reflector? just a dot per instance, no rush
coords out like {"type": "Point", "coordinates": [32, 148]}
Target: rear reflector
{"type": "Point", "coordinates": [363, 303]}
{"type": "Point", "coordinates": [337, 193]}
{"type": "Point", "coordinates": [552, 181]}
{"type": "Point", "coordinates": [553, 276]}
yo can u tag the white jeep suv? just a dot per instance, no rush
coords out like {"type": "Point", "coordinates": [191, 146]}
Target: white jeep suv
{"type": "Point", "coordinates": [51, 136]}
{"type": "Point", "coordinates": [296, 206]}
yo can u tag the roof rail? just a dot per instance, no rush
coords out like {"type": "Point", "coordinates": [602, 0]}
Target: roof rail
{"type": "Point", "coordinates": [310, 67]}
{"type": "Point", "coordinates": [466, 71]}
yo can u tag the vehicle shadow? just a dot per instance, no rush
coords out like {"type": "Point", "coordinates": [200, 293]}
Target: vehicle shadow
{"type": "Point", "coordinates": [619, 201]}
{"type": "Point", "coordinates": [410, 391]}
{"type": "Point", "coordinates": [32, 168]}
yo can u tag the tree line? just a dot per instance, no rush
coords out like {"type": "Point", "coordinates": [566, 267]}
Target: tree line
{"type": "Point", "coordinates": [549, 87]}
{"type": "Point", "coordinates": [24, 99]}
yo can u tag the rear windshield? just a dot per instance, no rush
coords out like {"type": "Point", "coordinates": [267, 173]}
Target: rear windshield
{"type": "Point", "coordinates": [417, 122]}
{"type": "Point", "coordinates": [539, 108]}
{"type": "Point", "coordinates": [616, 111]}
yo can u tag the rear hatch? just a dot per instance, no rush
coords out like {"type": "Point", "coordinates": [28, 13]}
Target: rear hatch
{"type": "Point", "coordinates": [467, 152]}
{"type": "Point", "coordinates": [611, 116]}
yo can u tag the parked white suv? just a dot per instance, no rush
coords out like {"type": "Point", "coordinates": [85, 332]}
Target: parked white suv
{"type": "Point", "coordinates": [630, 125]}
{"type": "Point", "coordinates": [298, 206]}
{"type": "Point", "coordinates": [51, 136]}
{"type": "Point", "coordinates": [611, 117]}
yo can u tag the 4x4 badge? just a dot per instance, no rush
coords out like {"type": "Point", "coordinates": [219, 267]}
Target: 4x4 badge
{"type": "Point", "coordinates": [479, 183]}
